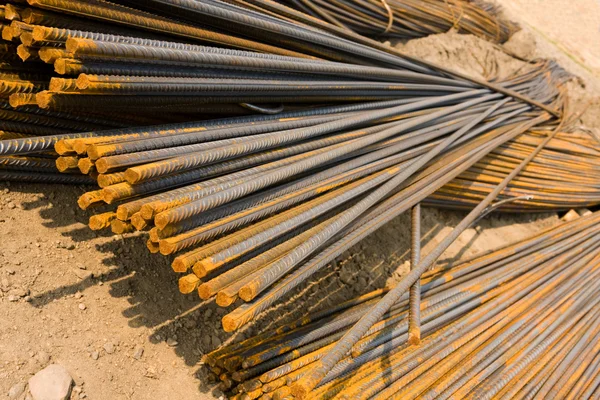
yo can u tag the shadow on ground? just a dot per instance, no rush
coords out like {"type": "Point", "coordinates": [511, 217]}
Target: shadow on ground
{"type": "Point", "coordinates": [149, 285]}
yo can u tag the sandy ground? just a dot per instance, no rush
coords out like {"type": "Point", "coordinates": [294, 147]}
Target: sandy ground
{"type": "Point", "coordinates": [93, 302]}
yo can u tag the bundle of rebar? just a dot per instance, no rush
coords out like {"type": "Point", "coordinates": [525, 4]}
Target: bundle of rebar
{"type": "Point", "coordinates": [126, 66]}
{"type": "Point", "coordinates": [406, 19]}
{"type": "Point", "coordinates": [520, 322]}
{"type": "Point", "coordinates": [362, 136]}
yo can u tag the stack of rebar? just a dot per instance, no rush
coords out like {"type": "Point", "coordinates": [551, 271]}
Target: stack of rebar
{"type": "Point", "coordinates": [520, 322]}
{"type": "Point", "coordinates": [406, 19]}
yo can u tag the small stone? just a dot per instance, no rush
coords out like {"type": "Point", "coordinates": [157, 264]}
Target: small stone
{"type": "Point", "coordinates": [109, 347]}
{"type": "Point", "coordinates": [42, 357]}
{"type": "Point", "coordinates": [70, 246]}
{"type": "Point", "coordinates": [215, 341]}
{"type": "Point", "coordinates": [171, 342]}
{"type": "Point", "coordinates": [583, 212]}
{"type": "Point", "coordinates": [10, 271]}
{"type": "Point", "coordinates": [51, 383]}
{"type": "Point", "coordinates": [81, 266]}
{"type": "Point", "coordinates": [82, 306]}
{"type": "Point", "coordinates": [138, 353]}
{"type": "Point", "coordinates": [77, 389]}
{"type": "Point", "coordinates": [15, 391]}
{"type": "Point", "coordinates": [11, 205]}
{"type": "Point", "coordinates": [12, 297]}
{"type": "Point", "coordinates": [78, 295]}
{"type": "Point", "coordinates": [95, 355]}
{"type": "Point", "coordinates": [206, 341]}
{"type": "Point", "coordinates": [27, 299]}
{"type": "Point", "coordinates": [189, 323]}
{"type": "Point", "coordinates": [208, 313]}
{"type": "Point", "coordinates": [570, 216]}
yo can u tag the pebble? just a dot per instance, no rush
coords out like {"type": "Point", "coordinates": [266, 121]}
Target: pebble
{"type": "Point", "coordinates": [570, 216]}
{"type": "Point", "coordinates": [109, 347]}
{"type": "Point", "coordinates": [206, 341]}
{"type": "Point", "coordinates": [95, 355]}
{"type": "Point", "coordinates": [11, 205]}
{"type": "Point", "coordinates": [172, 342]}
{"type": "Point", "coordinates": [42, 357]}
{"type": "Point", "coordinates": [78, 295]}
{"type": "Point", "coordinates": [138, 353]}
{"type": "Point", "coordinates": [51, 383]}
{"type": "Point", "coordinates": [12, 297]}
{"type": "Point", "coordinates": [82, 306]}
{"type": "Point", "coordinates": [215, 341]}
{"type": "Point", "coordinates": [16, 391]}
{"type": "Point", "coordinates": [208, 314]}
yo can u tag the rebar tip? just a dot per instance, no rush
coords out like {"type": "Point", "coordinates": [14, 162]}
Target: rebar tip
{"type": "Point", "coordinates": [138, 222]}
{"type": "Point", "coordinates": [152, 246]}
{"type": "Point", "coordinates": [166, 248]}
{"type": "Point", "coordinates": [179, 265]}
{"type": "Point", "coordinates": [25, 53]}
{"type": "Point", "coordinates": [188, 283]}
{"type": "Point", "coordinates": [63, 147]}
{"type": "Point", "coordinates": [248, 292]}
{"type": "Point", "coordinates": [101, 165]}
{"type": "Point", "coordinates": [132, 176]}
{"type": "Point", "coordinates": [224, 300]}
{"type": "Point", "coordinates": [229, 323]}
{"type": "Point", "coordinates": [119, 227]}
{"type": "Point", "coordinates": [101, 221]}
{"type": "Point", "coordinates": [205, 291]}
{"type": "Point", "coordinates": [43, 99]}
{"type": "Point", "coordinates": [64, 164]}
{"type": "Point", "coordinates": [85, 165]}
{"type": "Point", "coordinates": [22, 99]}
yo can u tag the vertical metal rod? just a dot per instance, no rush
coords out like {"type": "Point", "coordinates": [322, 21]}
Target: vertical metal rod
{"type": "Point", "coordinates": [414, 302]}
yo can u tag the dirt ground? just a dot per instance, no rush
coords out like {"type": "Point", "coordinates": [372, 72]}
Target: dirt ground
{"type": "Point", "coordinates": [110, 312]}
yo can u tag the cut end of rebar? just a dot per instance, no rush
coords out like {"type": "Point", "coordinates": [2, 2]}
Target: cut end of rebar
{"type": "Point", "coordinates": [64, 164]}
{"type": "Point", "coordinates": [101, 165]}
{"type": "Point", "coordinates": [21, 99]}
{"type": "Point", "coordinates": [205, 291]}
{"type": "Point", "coordinates": [248, 292]}
{"type": "Point", "coordinates": [166, 248]}
{"type": "Point", "coordinates": [81, 147]}
{"type": "Point", "coordinates": [119, 227]}
{"type": "Point", "coordinates": [179, 265]}
{"type": "Point", "coordinates": [299, 391]}
{"type": "Point", "coordinates": [132, 176]}
{"type": "Point", "coordinates": [43, 99]}
{"type": "Point", "coordinates": [88, 199]}
{"type": "Point", "coordinates": [25, 53]}
{"type": "Point", "coordinates": [161, 220]}
{"type": "Point", "coordinates": [101, 221]}
{"type": "Point", "coordinates": [85, 165]}
{"type": "Point", "coordinates": [83, 81]}
{"type": "Point", "coordinates": [152, 246]}
{"type": "Point", "coordinates": [414, 337]}
{"type": "Point", "coordinates": [229, 324]}
{"type": "Point", "coordinates": [11, 13]}
{"type": "Point", "coordinates": [224, 300]}
{"type": "Point", "coordinates": [188, 283]}
{"type": "Point", "coordinates": [62, 147]}
{"type": "Point", "coordinates": [123, 213]}
{"type": "Point", "coordinates": [147, 211]}
{"type": "Point", "coordinates": [138, 222]}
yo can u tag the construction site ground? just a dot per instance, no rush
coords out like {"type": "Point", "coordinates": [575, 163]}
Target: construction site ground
{"type": "Point", "coordinates": [110, 312]}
